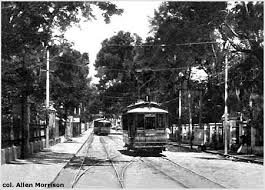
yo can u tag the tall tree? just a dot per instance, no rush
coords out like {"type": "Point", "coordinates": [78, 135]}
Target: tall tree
{"type": "Point", "coordinates": [69, 82]}
{"type": "Point", "coordinates": [116, 70]}
{"type": "Point", "coordinates": [26, 30]}
{"type": "Point", "coordinates": [243, 28]}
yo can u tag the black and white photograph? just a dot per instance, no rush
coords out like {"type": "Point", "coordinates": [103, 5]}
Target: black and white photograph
{"type": "Point", "coordinates": [130, 94]}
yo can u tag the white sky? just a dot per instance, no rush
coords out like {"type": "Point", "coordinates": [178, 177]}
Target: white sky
{"type": "Point", "coordinates": [134, 19]}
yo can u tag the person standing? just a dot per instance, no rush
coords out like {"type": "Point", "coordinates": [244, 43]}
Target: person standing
{"type": "Point", "coordinates": [168, 133]}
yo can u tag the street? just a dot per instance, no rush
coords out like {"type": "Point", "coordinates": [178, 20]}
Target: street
{"type": "Point", "coordinates": [137, 94]}
{"type": "Point", "coordinates": [104, 162]}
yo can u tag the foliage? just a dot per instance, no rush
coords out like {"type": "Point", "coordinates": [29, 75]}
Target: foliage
{"type": "Point", "coordinates": [27, 27]}
{"type": "Point", "coordinates": [244, 31]}
{"type": "Point", "coordinates": [69, 81]}
{"type": "Point", "coordinates": [116, 71]}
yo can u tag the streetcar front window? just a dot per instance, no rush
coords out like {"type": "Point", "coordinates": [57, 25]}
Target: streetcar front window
{"type": "Point", "coordinates": [140, 121]}
{"type": "Point", "coordinates": [160, 121]}
{"type": "Point", "coordinates": [149, 122]}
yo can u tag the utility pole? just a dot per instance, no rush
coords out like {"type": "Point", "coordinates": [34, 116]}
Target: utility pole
{"type": "Point", "coordinates": [200, 106]}
{"type": "Point", "coordinates": [179, 118]}
{"type": "Point", "coordinates": [47, 95]}
{"type": "Point", "coordinates": [181, 75]}
{"type": "Point", "coordinates": [226, 108]}
{"type": "Point", "coordinates": [190, 109]}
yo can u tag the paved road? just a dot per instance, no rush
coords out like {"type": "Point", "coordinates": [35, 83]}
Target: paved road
{"type": "Point", "coordinates": [103, 162]}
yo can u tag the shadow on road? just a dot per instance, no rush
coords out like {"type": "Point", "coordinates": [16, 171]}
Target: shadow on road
{"type": "Point", "coordinates": [44, 157]}
{"type": "Point", "coordinates": [211, 158]}
{"type": "Point", "coordinates": [140, 153]}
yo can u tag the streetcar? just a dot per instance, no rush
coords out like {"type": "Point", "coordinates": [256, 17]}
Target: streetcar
{"type": "Point", "coordinates": [144, 127]}
{"type": "Point", "coordinates": [102, 126]}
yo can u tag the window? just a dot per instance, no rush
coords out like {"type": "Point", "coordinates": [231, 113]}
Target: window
{"type": "Point", "coordinates": [140, 121]}
{"type": "Point", "coordinates": [160, 121]}
{"type": "Point", "coordinates": [149, 122]}
{"type": "Point", "coordinates": [124, 122]}
{"type": "Point", "coordinates": [107, 125]}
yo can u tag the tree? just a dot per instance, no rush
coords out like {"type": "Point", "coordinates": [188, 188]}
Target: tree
{"type": "Point", "coordinates": [27, 27]}
{"type": "Point", "coordinates": [116, 71]}
{"type": "Point", "coordinates": [183, 28]}
{"type": "Point", "coordinates": [240, 24]}
{"type": "Point", "coordinates": [243, 28]}
{"type": "Point", "coordinates": [69, 82]}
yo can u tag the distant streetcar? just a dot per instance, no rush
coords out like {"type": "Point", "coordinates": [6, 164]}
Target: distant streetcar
{"type": "Point", "coordinates": [102, 126]}
{"type": "Point", "coordinates": [144, 126]}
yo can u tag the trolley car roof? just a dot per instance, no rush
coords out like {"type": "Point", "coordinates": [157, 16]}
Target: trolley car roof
{"type": "Point", "coordinates": [104, 121]}
{"type": "Point", "coordinates": [147, 110]}
{"type": "Point", "coordinates": [140, 102]}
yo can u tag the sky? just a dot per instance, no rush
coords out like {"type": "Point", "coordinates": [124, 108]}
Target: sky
{"type": "Point", "coordinates": [88, 37]}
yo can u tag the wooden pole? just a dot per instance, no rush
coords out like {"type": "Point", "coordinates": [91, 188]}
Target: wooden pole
{"type": "Point", "coordinates": [47, 96]}
{"type": "Point", "coordinates": [190, 109]}
{"type": "Point", "coordinates": [179, 118]}
{"type": "Point", "coordinates": [226, 108]}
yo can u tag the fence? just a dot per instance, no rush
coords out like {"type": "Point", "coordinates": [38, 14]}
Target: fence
{"type": "Point", "coordinates": [12, 133]}
{"type": "Point", "coordinates": [204, 134]}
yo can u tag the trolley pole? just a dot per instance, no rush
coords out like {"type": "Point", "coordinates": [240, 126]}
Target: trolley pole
{"type": "Point", "coordinates": [47, 95]}
{"type": "Point", "coordinates": [226, 108]}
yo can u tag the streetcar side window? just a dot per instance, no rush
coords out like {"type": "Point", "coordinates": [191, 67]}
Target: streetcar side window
{"type": "Point", "coordinates": [140, 121]}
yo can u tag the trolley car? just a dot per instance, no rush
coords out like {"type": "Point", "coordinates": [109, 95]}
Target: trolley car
{"type": "Point", "coordinates": [144, 126]}
{"type": "Point", "coordinates": [102, 126]}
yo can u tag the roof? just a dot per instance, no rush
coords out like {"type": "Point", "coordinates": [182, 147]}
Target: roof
{"type": "Point", "coordinates": [147, 110]}
{"type": "Point", "coordinates": [104, 121]}
{"type": "Point", "coordinates": [141, 102]}
{"type": "Point", "coordinates": [98, 119]}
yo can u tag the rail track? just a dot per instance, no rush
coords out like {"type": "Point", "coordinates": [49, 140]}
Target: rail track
{"type": "Point", "coordinates": [178, 166]}
{"type": "Point", "coordinates": [153, 166]}
{"type": "Point", "coordinates": [184, 171]}
{"type": "Point", "coordinates": [80, 172]}
{"type": "Point", "coordinates": [119, 174]}
{"type": "Point", "coordinates": [194, 173]}
{"type": "Point", "coordinates": [175, 172]}
{"type": "Point", "coordinates": [79, 164]}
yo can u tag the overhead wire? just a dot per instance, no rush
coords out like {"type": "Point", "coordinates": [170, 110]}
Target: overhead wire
{"type": "Point", "coordinates": [170, 45]}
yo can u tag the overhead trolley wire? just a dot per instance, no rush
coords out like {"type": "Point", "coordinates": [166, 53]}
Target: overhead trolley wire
{"type": "Point", "coordinates": [170, 45]}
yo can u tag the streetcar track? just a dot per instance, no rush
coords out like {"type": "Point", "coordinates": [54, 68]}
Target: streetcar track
{"type": "Point", "coordinates": [164, 173]}
{"type": "Point", "coordinates": [120, 175]}
{"type": "Point", "coordinates": [113, 166]}
{"type": "Point", "coordinates": [77, 174]}
{"type": "Point", "coordinates": [177, 165]}
{"type": "Point", "coordinates": [193, 172]}
{"type": "Point", "coordinates": [90, 138]}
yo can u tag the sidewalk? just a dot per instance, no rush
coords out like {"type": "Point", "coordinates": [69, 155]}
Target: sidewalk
{"type": "Point", "coordinates": [243, 157]}
{"type": "Point", "coordinates": [42, 167]}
